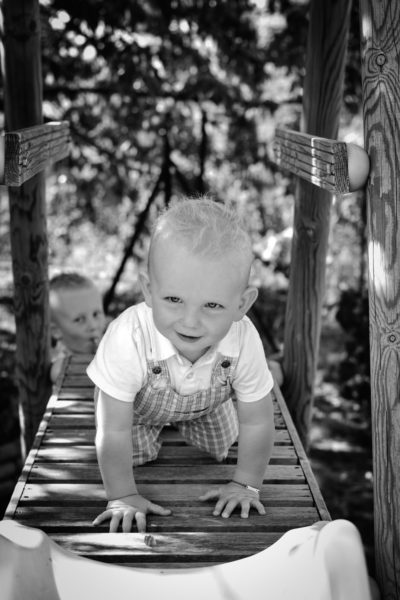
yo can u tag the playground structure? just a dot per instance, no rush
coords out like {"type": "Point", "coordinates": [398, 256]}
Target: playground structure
{"type": "Point", "coordinates": [328, 29]}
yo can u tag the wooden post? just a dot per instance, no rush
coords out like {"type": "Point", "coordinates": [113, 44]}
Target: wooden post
{"type": "Point", "coordinates": [322, 97]}
{"type": "Point", "coordinates": [380, 30]}
{"type": "Point", "coordinates": [23, 108]}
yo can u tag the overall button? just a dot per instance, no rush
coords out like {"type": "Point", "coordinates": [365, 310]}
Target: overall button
{"type": "Point", "coordinates": [189, 375]}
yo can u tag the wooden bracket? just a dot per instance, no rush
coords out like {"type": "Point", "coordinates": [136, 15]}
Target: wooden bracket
{"type": "Point", "coordinates": [321, 161]}
{"type": "Point", "coordinates": [25, 152]}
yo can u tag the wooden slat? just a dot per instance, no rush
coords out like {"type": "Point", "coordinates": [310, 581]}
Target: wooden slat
{"type": "Point", "coordinates": [171, 547]}
{"type": "Point", "coordinates": [321, 161]}
{"type": "Point", "coordinates": [29, 151]}
{"type": "Point", "coordinates": [277, 518]}
{"type": "Point", "coordinates": [166, 473]}
{"type": "Point", "coordinates": [79, 494]}
{"type": "Point", "coordinates": [173, 455]}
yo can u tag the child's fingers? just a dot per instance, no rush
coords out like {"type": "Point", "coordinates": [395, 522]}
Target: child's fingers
{"type": "Point", "coordinates": [127, 522]}
{"type": "Point", "coordinates": [210, 495]}
{"type": "Point", "coordinates": [115, 521]}
{"type": "Point", "coordinates": [101, 518]}
{"type": "Point", "coordinates": [221, 506]}
{"type": "Point", "coordinates": [159, 510]}
{"type": "Point", "coordinates": [229, 508]}
{"type": "Point", "coordinates": [140, 522]}
{"type": "Point", "coordinates": [259, 506]}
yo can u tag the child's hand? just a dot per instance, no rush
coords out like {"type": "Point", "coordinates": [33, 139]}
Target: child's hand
{"type": "Point", "coordinates": [128, 508]}
{"type": "Point", "coordinates": [232, 495]}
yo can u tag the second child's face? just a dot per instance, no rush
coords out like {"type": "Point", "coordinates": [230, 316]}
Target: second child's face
{"type": "Point", "coordinates": [80, 318]}
{"type": "Point", "coordinates": [194, 299]}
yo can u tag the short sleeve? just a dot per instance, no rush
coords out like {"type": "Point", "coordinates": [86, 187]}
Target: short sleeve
{"type": "Point", "coordinates": [253, 379]}
{"type": "Point", "coordinates": [119, 366]}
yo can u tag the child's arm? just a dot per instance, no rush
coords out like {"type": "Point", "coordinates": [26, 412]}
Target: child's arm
{"type": "Point", "coordinates": [114, 454]}
{"type": "Point", "coordinates": [255, 443]}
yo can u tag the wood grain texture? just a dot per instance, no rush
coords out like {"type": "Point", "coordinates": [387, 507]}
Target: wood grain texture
{"type": "Point", "coordinates": [380, 48]}
{"type": "Point", "coordinates": [29, 151]}
{"type": "Point", "coordinates": [28, 232]}
{"type": "Point", "coordinates": [319, 160]}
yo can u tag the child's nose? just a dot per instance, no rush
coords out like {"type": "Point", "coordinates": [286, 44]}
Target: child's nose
{"type": "Point", "coordinates": [92, 323]}
{"type": "Point", "coordinates": [190, 318]}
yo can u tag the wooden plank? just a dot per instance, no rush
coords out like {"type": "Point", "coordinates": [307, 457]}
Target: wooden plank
{"type": "Point", "coordinates": [304, 462]}
{"type": "Point", "coordinates": [30, 150]}
{"type": "Point", "coordinates": [175, 454]}
{"type": "Point", "coordinates": [167, 473]}
{"type": "Point", "coordinates": [321, 161]}
{"type": "Point", "coordinates": [171, 547]}
{"type": "Point", "coordinates": [277, 518]}
{"type": "Point", "coordinates": [86, 436]}
{"type": "Point", "coordinates": [78, 494]}
{"type": "Point", "coordinates": [53, 452]}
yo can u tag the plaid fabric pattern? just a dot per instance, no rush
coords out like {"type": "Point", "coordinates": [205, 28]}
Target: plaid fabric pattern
{"type": "Point", "coordinates": [206, 419]}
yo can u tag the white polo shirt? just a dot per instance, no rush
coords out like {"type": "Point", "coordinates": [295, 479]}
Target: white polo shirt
{"type": "Point", "coordinates": [119, 367]}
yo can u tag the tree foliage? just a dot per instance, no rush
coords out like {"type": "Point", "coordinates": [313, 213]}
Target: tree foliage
{"type": "Point", "coordinates": [130, 75]}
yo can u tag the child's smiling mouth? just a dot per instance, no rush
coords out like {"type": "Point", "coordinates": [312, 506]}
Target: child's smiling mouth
{"type": "Point", "coordinates": [188, 338]}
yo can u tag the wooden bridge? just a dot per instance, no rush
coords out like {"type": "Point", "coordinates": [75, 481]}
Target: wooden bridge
{"type": "Point", "coordinates": [60, 490]}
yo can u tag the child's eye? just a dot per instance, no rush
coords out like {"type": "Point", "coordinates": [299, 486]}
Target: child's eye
{"type": "Point", "coordinates": [79, 320]}
{"type": "Point", "coordinates": [173, 299]}
{"type": "Point", "coordinates": [213, 305]}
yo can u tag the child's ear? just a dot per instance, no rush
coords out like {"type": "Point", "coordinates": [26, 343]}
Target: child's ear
{"type": "Point", "coordinates": [247, 300]}
{"type": "Point", "coordinates": [145, 285]}
{"type": "Point", "coordinates": [55, 333]}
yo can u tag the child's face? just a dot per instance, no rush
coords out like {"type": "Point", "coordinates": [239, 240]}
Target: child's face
{"type": "Point", "coordinates": [194, 299]}
{"type": "Point", "coordinates": [79, 316]}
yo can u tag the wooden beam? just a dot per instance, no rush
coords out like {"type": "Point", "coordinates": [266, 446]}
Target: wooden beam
{"type": "Point", "coordinates": [22, 79]}
{"type": "Point", "coordinates": [322, 99]}
{"type": "Point", "coordinates": [30, 150]}
{"type": "Point", "coordinates": [380, 30]}
{"type": "Point", "coordinates": [321, 161]}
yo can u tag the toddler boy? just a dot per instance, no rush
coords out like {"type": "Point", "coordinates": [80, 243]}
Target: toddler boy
{"type": "Point", "coordinates": [181, 357]}
{"type": "Point", "coordinates": [77, 317]}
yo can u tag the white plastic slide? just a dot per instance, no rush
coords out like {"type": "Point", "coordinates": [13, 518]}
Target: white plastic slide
{"type": "Point", "coordinates": [324, 561]}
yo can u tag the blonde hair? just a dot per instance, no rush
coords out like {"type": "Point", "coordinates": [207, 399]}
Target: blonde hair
{"type": "Point", "coordinates": [205, 227]}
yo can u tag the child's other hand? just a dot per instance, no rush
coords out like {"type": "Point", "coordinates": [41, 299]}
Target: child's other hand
{"type": "Point", "coordinates": [128, 508]}
{"type": "Point", "coordinates": [230, 496]}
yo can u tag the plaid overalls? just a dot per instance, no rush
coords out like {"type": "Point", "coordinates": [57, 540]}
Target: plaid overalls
{"type": "Point", "coordinates": [206, 419]}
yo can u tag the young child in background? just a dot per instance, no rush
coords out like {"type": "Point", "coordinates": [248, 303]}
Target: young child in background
{"type": "Point", "coordinates": [77, 317]}
{"type": "Point", "coordinates": [180, 357]}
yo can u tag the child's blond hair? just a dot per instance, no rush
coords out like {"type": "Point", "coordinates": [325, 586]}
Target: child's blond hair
{"type": "Point", "coordinates": [206, 228]}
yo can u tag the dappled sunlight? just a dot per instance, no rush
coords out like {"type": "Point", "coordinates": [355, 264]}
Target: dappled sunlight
{"type": "Point", "coordinates": [378, 269]}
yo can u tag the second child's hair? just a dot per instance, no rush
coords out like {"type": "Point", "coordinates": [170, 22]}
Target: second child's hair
{"type": "Point", "coordinates": [70, 281]}
{"type": "Point", "coordinates": [206, 227]}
